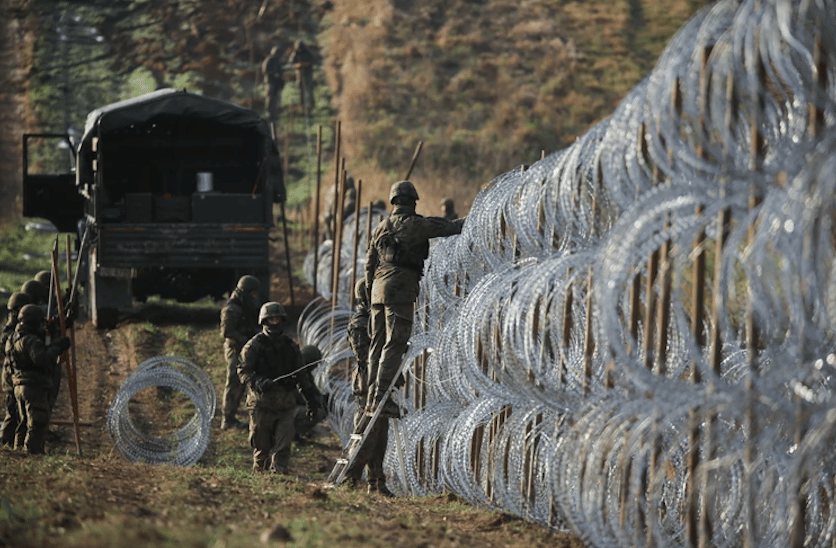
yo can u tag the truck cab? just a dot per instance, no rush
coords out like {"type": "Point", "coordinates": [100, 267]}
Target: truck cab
{"type": "Point", "coordinates": [175, 193]}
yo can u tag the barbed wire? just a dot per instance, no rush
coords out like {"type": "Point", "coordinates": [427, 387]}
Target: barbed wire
{"type": "Point", "coordinates": [184, 446]}
{"type": "Point", "coordinates": [634, 336]}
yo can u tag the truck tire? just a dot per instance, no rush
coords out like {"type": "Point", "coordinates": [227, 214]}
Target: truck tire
{"type": "Point", "coordinates": [105, 318]}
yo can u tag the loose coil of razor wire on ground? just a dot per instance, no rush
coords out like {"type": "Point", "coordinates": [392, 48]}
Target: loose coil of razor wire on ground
{"type": "Point", "coordinates": [634, 337]}
{"type": "Point", "coordinates": [182, 447]}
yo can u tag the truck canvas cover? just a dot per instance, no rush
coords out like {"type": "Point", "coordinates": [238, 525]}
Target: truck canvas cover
{"type": "Point", "coordinates": [167, 104]}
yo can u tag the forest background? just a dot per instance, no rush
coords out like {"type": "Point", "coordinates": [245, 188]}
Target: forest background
{"type": "Point", "coordinates": [484, 85]}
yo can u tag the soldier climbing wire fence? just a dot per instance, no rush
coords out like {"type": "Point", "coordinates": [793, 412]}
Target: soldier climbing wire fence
{"type": "Point", "coordinates": [634, 337]}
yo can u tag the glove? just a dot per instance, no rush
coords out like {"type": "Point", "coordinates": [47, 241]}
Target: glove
{"type": "Point", "coordinates": [69, 320]}
{"type": "Point", "coordinates": [262, 385]}
{"type": "Point", "coordinates": [316, 413]}
{"type": "Point", "coordinates": [62, 343]}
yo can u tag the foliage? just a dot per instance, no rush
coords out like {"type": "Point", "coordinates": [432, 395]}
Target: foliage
{"type": "Point", "coordinates": [24, 252]}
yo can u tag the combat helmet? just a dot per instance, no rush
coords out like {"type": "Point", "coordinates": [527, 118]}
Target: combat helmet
{"type": "Point", "coordinates": [403, 188]}
{"type": "Point", "coordinates": [248, 283]}
{"type": "Point", "coordinates": [18, 300]}
{"type": "Point", "coordinates": [36, 290]}
{"type": "Point", "coordinates": [271, 310]}
{"type": "Point", "coordinates": [310, 354]}
{"type": "Point", "coordinates": [32, 315]}
{"type": "Point", "coordinates": [44, 276]}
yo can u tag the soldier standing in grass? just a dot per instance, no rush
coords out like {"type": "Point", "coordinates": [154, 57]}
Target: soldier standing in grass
{"type": "Point", "coordinates": [239, 322]}
{"type": "Point", "coordinates": [7, 430]}
{"type": "Point", "coordinates": [33, 362]}
{"type": "Point", "coordinates": [273, 69]}
{"type": "Point", "coordinates": [302, 59]}
{"type": "Point", "coordinates": [398, 247]}
{"type": "Point", "coordinates": [448, 209]}
{"type": "Point", "coordinates": [270, 369]}
{"type": "Point", "coordinates": [38, 290]}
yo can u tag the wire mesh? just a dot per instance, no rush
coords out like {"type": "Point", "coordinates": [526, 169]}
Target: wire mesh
{"type": "Point", "coordinates": [633, 337]}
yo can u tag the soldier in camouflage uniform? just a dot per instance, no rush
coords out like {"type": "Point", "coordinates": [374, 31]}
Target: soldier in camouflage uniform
{"type": "Point", "coordinates": [239, 322]}
{"type": "Point", "coordinates": [33, 362]}
{"type": "Point", "coordinates": [7, 430]}
{"type": "Point", "coordinates": [38, 291]}
{"type": "Point", "coordinates": [371, 453]}
{"type": "Point", "coordinates": [269, 368]}
{"type": "Point", "coordinates": [332, 202]}
{"type": "Point", "coordinates": [395, 259]}
{"type": "Point", "coordinates": [448, 209]}
{"type": "Point", "coordinates": [45, 277]}
{"type": "Point", "coordinates": [273, 70]}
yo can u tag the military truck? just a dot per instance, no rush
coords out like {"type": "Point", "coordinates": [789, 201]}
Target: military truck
{"type": "Point", "coordinates": [170, 194]}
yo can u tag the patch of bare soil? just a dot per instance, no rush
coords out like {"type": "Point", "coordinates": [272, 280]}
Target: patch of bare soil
{"type": "Point", "coordinates": [101, 499]}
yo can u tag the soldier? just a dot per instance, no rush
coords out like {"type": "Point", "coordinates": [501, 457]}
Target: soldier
{"type": "Point", "coordinates": [38, 291]}
{"type": "Point", "coordinates": [33, 362]}
{"type": "Point", "coordinates": [45, 277]}
{"type": "Point", "coordinates": [304, 424]}
{"type": "Point", "coordinates": [448, 209]}
{"type": "Point", "coordinates": [7, 430]}
{"type": "Point", "coordinates": [331, 204]}
{"type": "Point", "coordinates": [239, 322]}
{"type": "Point", "coordinates": [269, 368]}
{"type": "Point", "coordinates": [273, 72]}
{"type": "Point", "coordinates": [398, 247]}
{"type": "Point", "coordinates": [302, 59]}
{"type": "Point", "coordinates": [371, 453]}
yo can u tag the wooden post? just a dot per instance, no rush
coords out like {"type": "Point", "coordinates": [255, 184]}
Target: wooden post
{"type": "Point", "coordinates": [316, 206]}
{"type": "Point", "coordinates": [59, 301]}
{"type": "Point", "coordinates": [414, 159]}
{"type": "Point", "coordinates": [567, 329]}
{"type": "Point", "coordinates": [334, 256]}
{"type": "Point", "coordinates": [287, 254]}
{"type": "Point", "coordinates": [357, 202]}
{"type": "Point", "coordinates": [589, 341]}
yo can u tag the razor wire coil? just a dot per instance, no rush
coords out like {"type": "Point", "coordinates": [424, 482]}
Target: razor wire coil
{"type": "Point", "coordinates": [186, 445]}
{"type": "Point", "coordinates": [570, 370]}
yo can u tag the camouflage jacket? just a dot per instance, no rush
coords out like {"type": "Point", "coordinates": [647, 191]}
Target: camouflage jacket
{"type": "Point", "coordinates": [32, 361]}
{"type": "Point", "coordinates": [238, 322]}
{"type": "Point", "coordinates": [397, 250]}
{"type": "Point", "coordinates": [5, 364]}
{"type": "Point", "coordinates": [262, 361]}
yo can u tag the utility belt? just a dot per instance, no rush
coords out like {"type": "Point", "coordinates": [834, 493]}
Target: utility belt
{"type": "Point", "coordinates": [393, 259]}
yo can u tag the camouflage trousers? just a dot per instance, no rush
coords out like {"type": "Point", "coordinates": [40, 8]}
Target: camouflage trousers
{"type": "Point", "coordinates": [391, 326]}
{"type": "Point", "coordinates": [34, 411]}
{"type": "Point", "coordinates": [371, 453]}
{"type": "Point", "coordinates": [233, 389]}
{"type": "Point", "coordinates": [271, 433]}
{"type": "Point", "coordinates": [9, 426]}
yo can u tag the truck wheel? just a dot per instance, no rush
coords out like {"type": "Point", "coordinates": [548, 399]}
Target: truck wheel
{"type": "Point", "coordinates": [105, 318]}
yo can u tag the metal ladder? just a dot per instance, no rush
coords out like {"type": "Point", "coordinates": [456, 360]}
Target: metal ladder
{"type": "Point", "coordinates": [358, 437]}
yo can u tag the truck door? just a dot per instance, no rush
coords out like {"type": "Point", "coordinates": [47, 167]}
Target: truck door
{"type": "Point", "coordinates": [49, 189]}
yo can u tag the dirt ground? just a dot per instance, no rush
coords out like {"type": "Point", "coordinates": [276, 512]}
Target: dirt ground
{"type": "Point", "coordinates": [101, 499]}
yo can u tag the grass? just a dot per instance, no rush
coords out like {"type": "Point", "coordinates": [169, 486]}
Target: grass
{"type": "Point", "coordinates": [23, 253]}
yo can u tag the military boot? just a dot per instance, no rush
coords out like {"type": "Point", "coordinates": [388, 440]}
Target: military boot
{"type": "Point", "coordinates": [229, 423]}
{"type": "Point", "coordinates": [379, 487]}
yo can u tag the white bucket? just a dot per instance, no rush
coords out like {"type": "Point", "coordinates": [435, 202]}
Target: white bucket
{"type": "Point", "coordinates": [204, 181]}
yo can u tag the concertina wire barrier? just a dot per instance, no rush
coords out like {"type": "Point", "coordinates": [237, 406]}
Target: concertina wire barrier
{"type": "Point", "coordinates": [633, 338]}
{"type": "Point", "coordinates": [184, 446]}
